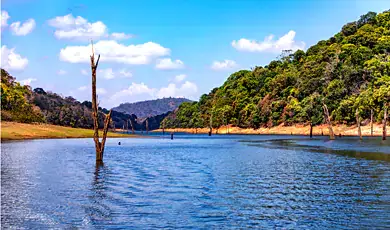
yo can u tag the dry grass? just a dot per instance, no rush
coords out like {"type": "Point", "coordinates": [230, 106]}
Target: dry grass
{"type": "Point", "coordinates": [21, 131]}
{"type": "Point", "coordinates": [288, 130]}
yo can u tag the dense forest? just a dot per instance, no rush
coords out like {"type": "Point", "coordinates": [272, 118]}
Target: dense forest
{"type": "Point", "coordinates": [23, 104]}
{"type": "Point", "coordinates": [151, 108]}
{"type": "Point", "coordinates": [349, 73]}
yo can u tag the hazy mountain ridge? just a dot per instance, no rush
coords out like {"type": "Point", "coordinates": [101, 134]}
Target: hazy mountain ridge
{"type": "Point", "coordinates": [150, 108]}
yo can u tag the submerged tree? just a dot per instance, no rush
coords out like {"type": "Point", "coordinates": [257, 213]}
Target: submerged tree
{"type": "Point", "coordinates": [99, 146]}
{"type": "Point", "coordinates": [358, 121]}
{"type": "Point", "coordinates": [384, 124]}
{"type": "Point", "coordinates": [327, 118]}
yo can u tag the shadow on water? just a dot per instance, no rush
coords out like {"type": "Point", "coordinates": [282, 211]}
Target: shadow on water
{"type": "Point", "coordinates": [289, 144]}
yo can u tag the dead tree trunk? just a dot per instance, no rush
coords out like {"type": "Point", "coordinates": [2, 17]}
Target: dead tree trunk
{"type": "Point", "coordinates": [132, 126]}
{"type": "Point", "coordinates": [211, 124]}
{"type": "Point", "coordinates": [311, 130]}
{"type": "Point", "coordinates": [147, 126]}
{"type": "Point", "coordinates": [163, 127]}
{"type": "Point", "coordinates": [371, 122]}
{"type": "Point", "coordinates": [327, 118]}
{"type": "Point", "coordinates": [99, 146]}
{"type": "Point", "coordinates": [384, 124]}
{"type": "Point", "coordinates": [358, 124]}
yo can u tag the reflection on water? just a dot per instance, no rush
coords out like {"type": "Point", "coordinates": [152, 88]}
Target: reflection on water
{"type": "Point", "coordinates": [288, 144]}
{"type": "Point", "coordinates": [197, 182]}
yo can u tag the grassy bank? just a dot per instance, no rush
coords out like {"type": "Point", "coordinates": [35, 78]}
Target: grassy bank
{"type": "Point", "coordinates": [288, 130]}
{"type": "Point", "coordinates": [21, 131]}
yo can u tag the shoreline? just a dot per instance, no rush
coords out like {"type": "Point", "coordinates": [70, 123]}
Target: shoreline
{"type": "Point", "coordinates": [11, 131]}
{"type": "Point", "coordinates": [303, 130]}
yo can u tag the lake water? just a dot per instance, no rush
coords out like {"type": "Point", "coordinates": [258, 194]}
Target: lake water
{"type": "Point", "coordinates": [195, 181]}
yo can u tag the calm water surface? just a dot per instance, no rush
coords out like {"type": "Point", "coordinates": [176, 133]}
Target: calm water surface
{"type": "Point", "coordinates": [197, 182]}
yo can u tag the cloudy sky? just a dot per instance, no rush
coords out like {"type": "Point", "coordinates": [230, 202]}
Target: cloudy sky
{"type": "Point", "coordinates": [154, 48]}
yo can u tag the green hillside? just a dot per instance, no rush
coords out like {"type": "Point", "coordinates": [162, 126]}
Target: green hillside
{"type": "Point", "coordinates": [349, 71]}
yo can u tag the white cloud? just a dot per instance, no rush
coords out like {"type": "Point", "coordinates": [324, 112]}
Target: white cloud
{"type": "Point", "coordinates": [107, 73]}
{"type": "Point", "coordinates": [180, 78]}
{"type": "Point", "coordinates": [101, 91]}
{"type": "Point", "coordinates": [84, 72]}
{"type": "Point", "coordinates": [82, 88]}
{"type": "Point", "coordinates": [11, 60]}
{"type": "Point", "coordinates": [226, 64]}
{"type": "Point", "coordinates": [135, 92]}
{"type": "Point", "coordinates": [4, 19]}
{"type": "Point", "coordinates": [61, 72]}
{"type": "Point", "coordinates": [98, 90]}
{"type": "Point", "coordinates": [168, 64]}
{"type": "Point", "coordinates": [23, 29]}
{"type": "Point", "coordinates": [120, 36]}
{"type": "Point", "coordinates": [124, 73]}
{"type": "Point", "coordinates": [79, 29]}
{"type": "Point", "coordinates": [139, 92]}
{"type": "Point", "coordinates": [188, 89]}
{"type": "Point", "coordinates": [27, 81]}
{"type": "Point", "coordinates": [286, 42]}
{"type": "Point", "coordinates": [111, 51]}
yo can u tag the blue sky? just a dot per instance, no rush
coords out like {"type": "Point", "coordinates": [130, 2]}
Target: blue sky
{"type": "Point", "coordinates": [159, 48]}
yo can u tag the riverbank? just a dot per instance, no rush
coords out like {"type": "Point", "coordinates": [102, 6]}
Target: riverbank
{"type": "Point", "coordinates": [22, 131]}
{"type": "Point", "coordinates": [288, 130]}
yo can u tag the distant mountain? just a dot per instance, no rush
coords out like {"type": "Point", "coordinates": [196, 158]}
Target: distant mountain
{"type": "Point", "coordinates": [23, 104]}
{"type": "Point", "coordinates": [150, 108]}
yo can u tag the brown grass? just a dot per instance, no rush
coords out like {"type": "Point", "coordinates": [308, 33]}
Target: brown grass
{"type": "Point", "coordinates": [21, 131]}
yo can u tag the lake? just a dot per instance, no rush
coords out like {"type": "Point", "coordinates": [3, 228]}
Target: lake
{"type": "Point", "coordinates": [194, 181]}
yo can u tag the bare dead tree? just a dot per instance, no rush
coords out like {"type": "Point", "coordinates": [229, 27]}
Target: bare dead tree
{"type": "Point", "coordinates": [211, 124]}
{"type": "Point", "coordinates": [163, 127]}
{"type": "Point", "coordinates": [371, 122]}
{"type": "Point", "coordinates": [132, 126]}
{"type": "Point", "coordinates": [327, 119]}
{"type": "Point", "coordinates": [384, 124]}
{"type": "Point", "coordinates": [99, 146]}
{"type": "Point", "coordinates": [147, 126]}
{"type": "Point", "coordinates": [311, 130]}
{"type": "Point", "coordinates": [358, 124]}
{"type": "Point", "coordinates": [127, 126]}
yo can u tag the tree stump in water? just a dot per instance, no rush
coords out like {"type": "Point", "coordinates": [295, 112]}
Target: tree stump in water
{"type": "Point", "coordinates": [311, 130]}
{"type": "Point", "coordinates": [99, 146]}
{"type": "Point", "coordinates": [384, 134]}
{"type": "Point", "coordinates": [327, 118]}
{"type": "Point", "coordinates": [358, 124]}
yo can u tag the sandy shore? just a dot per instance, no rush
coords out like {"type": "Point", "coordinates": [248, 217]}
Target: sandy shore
{"type": "Point", "coordinates": [289, 130]}
{"type": "Point", "coordinates": [22, 131]}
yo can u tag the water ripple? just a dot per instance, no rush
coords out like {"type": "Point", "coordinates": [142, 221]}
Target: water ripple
{"type": "Point", "coordinates": [195, 183]}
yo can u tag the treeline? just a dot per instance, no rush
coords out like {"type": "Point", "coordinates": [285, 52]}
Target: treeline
{"type": "Point", "coordinates": [350, 72]}
{"type": "Point", "coordinates": [23, 104]}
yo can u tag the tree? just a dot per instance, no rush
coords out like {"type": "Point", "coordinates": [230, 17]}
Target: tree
{"type": "Point", "coordinates": [350, 68]}
{"type": "Point", "coordinates": [99, 146]}
{"type": "Point", "coordinates": [369, 18]}
{"type": "Point", "coordinates": [349, 29]}
{"type": "Point", "coordinates": [311, 111]}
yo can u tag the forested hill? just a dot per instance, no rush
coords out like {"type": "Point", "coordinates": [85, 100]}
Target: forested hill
{"type": "Point", "coordinates": [350, 71]}
{"type": "Point", "coordinates": [23, 104]}
{"type": "Point", "coordinates": [151, 108]}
